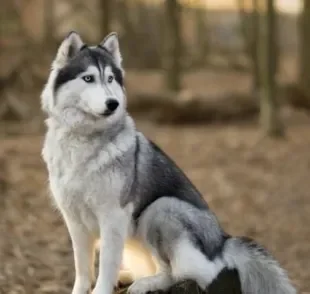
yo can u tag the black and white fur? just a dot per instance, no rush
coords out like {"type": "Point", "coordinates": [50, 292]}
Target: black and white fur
{"type": "Point", "coordinates": [110, 182]}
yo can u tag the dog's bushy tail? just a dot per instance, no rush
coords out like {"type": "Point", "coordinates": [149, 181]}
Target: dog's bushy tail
{"type": "Point", "coordinates": [259, 272]}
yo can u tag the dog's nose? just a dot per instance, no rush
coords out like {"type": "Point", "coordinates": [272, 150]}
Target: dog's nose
{"type": "Point", "coordinates": [112, 104]}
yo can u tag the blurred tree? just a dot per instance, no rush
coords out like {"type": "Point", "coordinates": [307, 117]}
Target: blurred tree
{"type": "Point", "coordinates": [201, 35]}
{"type": "Point", "coordinates": [128, 40]}
{"type": "Point", "coordinates": [149, 52]}
{"type": "Point", "coordinates": [304, 56]}
{"type": "Point", "coordinates": [173, 45]}
{"type": "Point", "coordinates": [105, 7]}
{"type": "Point", "coordinates": [244, 22]}
{"type": "Point", "coordinates": [11, 106]}
{"type": "Point", "coordinates": [267, 54]}
{"type": "Point", "coordinates": [49, 24]}
{"type": "Point", "coordinates": [250, 32]}
{"type": "Point", "coordinates": [254, 51]}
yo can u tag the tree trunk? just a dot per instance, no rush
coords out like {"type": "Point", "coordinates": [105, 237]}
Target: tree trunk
{"type": "Point", "coordinates": [105, 26]}
{"type": "Point", "coordinates": [129, 39]}
{"type": "Point", "coordinates": [304, 59]}
{"type": "Point", "coordinates": [267, 52]}
{"type": "Point", "coordinates": [254, 44]}
{"type": "Point", "coordinates": [201, 36]}
{"type": "Point", "coordinates": [250, 32]}
{"type": "Point", "coordinates": [173, 43]}
{"type": "Point", "coordinates": [244, 24]}
{"type": "Point", "coordinates": [49, 24]}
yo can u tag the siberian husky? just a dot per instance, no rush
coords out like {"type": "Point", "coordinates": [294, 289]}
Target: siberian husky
{"type": "Point", "coordinates": [110, 182]}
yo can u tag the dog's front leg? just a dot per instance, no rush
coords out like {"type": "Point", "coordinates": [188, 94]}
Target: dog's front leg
{"type": "Point", "coordinates": [83, 244]}
{"type": "Point", "coordinates": [113, 233]}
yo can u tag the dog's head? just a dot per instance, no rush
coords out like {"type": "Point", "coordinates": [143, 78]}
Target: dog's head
{"type": "Point", "coordinates": [85, 87]}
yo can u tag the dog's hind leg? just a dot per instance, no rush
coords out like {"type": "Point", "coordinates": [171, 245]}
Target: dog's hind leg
{"type": "Point", "coordinates": [188, 263]}
{"type": "Point", "coordinates": [161, 281]}
{"type": "Point", "coordinates": [137, 263]}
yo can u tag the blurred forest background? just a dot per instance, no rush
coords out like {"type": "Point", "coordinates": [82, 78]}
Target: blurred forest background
{"type": "Point", "coordinates": [222, 85]}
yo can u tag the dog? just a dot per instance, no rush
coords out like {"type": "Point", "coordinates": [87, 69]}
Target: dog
{"type": "Point", "coordinates": [111, 182]}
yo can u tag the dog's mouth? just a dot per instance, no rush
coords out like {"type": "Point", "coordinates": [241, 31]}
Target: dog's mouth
{"type": "Point", "coordinates": [90, 114]}
{"type": "Point", "coordinates": [93, 115]}
{"type": "Point", "coordinates": [107, 113]}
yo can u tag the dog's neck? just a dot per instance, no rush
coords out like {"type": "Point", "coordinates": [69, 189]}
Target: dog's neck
{"type": "Point", "coordinates": [59, 130]}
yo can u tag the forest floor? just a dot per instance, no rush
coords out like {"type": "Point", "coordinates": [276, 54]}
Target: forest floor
{"type": "Point", "coordinates": [257, 187]}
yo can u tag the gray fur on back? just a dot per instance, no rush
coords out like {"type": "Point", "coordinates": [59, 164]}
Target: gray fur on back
{"type": "Point", "coordinates": [156, 176]}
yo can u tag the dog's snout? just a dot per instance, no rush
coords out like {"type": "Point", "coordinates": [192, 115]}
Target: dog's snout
{"type": "Point", "coordinates": [112, 104]}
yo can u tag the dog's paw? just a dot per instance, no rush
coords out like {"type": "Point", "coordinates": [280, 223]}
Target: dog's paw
{"type": "Point", "coordinates": [141, 286]}
{"type": "Point", "coordinates": [125, 279]}
{"type": "Point", "coordinates": [150, 284]}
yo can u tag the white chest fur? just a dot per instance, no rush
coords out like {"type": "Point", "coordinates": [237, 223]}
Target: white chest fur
{"type": "Point", "coordinates": [82, 176]}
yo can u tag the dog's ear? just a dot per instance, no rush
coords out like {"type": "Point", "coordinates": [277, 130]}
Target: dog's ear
{"type": "Point", "coordinates": [110, 43]}
{"type": "Point", "coordinates": [68, 49]}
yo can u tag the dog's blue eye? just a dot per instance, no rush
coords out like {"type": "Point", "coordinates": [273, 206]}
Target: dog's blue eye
{"type": "Point", "coordinates": [88, 79]}
{"type": "Point", "coordinates": [110, 79]}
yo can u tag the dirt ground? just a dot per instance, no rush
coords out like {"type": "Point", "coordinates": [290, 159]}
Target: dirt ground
{"type": "Point", "coordinates": [257, 187]}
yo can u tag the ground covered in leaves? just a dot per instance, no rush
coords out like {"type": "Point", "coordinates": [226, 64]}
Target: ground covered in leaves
{"type": "Point", "coordinates": [257, 186]}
